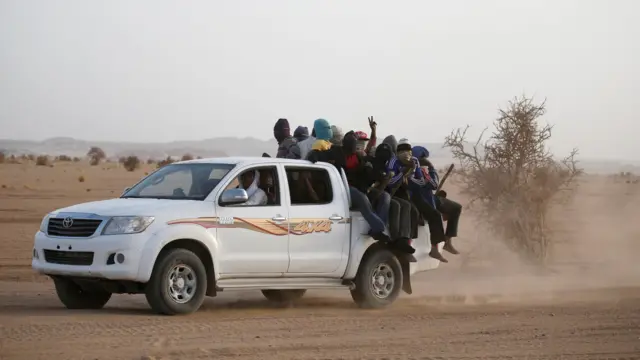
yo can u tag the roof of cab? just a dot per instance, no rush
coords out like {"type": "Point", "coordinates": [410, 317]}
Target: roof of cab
{"type": "Point", "coordinates": [239, 160]}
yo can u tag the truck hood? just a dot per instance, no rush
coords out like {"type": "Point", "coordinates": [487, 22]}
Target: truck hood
{"type": "Point", "coordinates": [140, 207]}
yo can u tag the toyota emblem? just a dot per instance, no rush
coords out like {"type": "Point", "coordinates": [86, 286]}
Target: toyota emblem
{"type": "Point", "coordinates": [67, 222]}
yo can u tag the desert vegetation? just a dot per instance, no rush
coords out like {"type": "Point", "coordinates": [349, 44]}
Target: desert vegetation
{"type": "Point", "coordinates": [96, 155]}
{"type": "Point", "coordinates": [165, 162]}
{"type": "Point", "coordinates": [512, 179]}
{"type": "Point", "coordinates": [42, 160]}
{"type": "Point", "coordinates": [626, 177]}
{"type": "Point", "coordinates": [131, 163]}
{"type": "Point", "coordinates": [186, 157]}
{"type": "Point", "coordinates": [62, 158]}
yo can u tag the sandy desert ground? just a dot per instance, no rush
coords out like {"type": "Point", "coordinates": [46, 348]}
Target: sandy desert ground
{"type": "Point", "coordinates": [482, 306]}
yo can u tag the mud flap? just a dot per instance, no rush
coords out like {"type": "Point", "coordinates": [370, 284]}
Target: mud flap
{"type": "Point", "coordinates": [405, 261]}
{"type": "Point", "coordinates": [406, 276]}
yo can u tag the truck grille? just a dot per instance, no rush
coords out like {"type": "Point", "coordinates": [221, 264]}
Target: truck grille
{"type": "Point", "coordinates": [69, 257]}
{"type": "Point", "coordinates": [79, 227]}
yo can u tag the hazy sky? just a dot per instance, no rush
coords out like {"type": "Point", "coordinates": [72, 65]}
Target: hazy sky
{"type": "Point", "coordinates": [180, 70]}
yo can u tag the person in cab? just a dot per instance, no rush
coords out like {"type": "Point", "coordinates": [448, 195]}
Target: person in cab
{"type": "Point", "coordinates": [249, 181]}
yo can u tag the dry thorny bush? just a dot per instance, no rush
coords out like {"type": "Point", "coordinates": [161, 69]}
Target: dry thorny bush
{"type": "Point", "coordinates": [513, 179]}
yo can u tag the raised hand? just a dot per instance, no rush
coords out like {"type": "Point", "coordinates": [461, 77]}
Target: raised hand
{"type": "Point", "coordinates": [372, 124]}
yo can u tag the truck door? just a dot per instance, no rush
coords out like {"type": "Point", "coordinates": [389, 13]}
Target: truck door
{"type": "Point", "coordinates": [319, 220]}
{"type": "Point", "coordinates": [254, 239]}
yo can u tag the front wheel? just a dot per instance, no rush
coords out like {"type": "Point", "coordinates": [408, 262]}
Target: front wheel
{"type": "Point", "coordinates": [379, 280]}
{"type": "Point", "coordinates": [75, 297]}
{"type": "Point", "coordinates": [178, 284]}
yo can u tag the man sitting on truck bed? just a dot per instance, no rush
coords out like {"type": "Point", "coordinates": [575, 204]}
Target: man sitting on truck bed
{"type": "Point", "coordinates": [323, 151]}
{"type": "Point", "coordinates": [401, 217]}
{"type": "Point", "coordinates": [360, 175]}
{"type": "Point", "coordinates": [410, 179]}
{"type": "Point", "coordinates": [286, 143]}
{"type": "Point", "coordinates": [446, 207]}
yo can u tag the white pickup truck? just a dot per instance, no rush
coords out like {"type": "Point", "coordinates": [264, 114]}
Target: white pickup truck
{"type": "Point", "coordinates": [187, 231]}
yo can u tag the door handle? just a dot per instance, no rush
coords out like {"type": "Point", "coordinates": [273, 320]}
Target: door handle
{"type": "Point", "coordinates": [278, 218]}
{"type": "Point", "coordinates": [335, 217]}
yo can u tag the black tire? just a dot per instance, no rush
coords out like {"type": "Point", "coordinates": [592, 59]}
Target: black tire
{"type": "Point", "coordinates": [75, 297]}
{"type": "Point", "coordinates": [283, 297]}
{"type": "Point", "coordinates": [165, 301]}
{"type": "Point", "coordinates": [370, 296]}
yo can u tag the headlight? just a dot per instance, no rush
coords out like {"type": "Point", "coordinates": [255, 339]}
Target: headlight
{"type": "Point", "coordinates": [45, 223]}
{"type": "Point", "coordinates": [127, 225]}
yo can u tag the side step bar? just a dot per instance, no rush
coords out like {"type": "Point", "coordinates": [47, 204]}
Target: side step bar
{"type": "Point", "coordinates": [283, 284]}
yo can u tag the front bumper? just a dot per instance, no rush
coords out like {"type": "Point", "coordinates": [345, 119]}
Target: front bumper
{"type": "Point", "coordinates": [104, 248]}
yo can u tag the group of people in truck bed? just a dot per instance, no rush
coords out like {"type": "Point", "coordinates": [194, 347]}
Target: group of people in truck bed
{"type": "Point", "coordinates": [392, 184]}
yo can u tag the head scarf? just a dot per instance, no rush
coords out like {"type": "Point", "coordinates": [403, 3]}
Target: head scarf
{"type": "Point", "coordinates": [349, 143]}
{"type": "Point", "coordinates": [336, 139]}
{"type": "Point", "coordinates": [301, 133]}
{"type": "Point", "coordinates": [254, 185]}
{"type": "Point", "coordinates": [392, 142]}
{"type": "Point", "coordinates": [281, 130]}
{"type": "Point", "coordinates": [322, 129]}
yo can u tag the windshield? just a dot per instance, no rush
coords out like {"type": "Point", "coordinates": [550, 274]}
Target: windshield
{"type": "Point", "coordinates": [192, 181]}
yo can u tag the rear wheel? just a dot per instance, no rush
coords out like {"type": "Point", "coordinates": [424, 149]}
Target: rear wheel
{"type": "Point", "coordinates": [379, 280]}
{"type": "Point", "coordinates": [283, 297]}
{"type": "Point", "coordinates": [75, 297]}
{"type": "Point", "coordinates": [178, 284]}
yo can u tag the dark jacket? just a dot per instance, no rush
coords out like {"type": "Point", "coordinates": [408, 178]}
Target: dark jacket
{"type": "Point", "coordinates": [288, 149]}
{"type": "Point", "coordinates": [334, 156]}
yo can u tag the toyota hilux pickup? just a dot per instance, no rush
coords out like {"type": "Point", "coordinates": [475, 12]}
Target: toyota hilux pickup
{"type": "Point", "coordinates": [192, 229]}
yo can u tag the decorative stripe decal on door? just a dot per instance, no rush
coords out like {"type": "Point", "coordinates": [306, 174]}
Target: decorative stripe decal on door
{"type": "Point", "coordinates": [300, 226]}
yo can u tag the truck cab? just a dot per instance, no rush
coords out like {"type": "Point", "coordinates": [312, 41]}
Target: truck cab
{"type": "Point", "coordinates": [191, 229]}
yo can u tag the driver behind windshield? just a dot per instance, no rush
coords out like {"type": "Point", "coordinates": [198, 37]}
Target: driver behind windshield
{"type": "Point", "coordinates": [249, 181]}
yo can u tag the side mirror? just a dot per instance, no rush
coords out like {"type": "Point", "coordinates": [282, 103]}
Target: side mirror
{"type": "Point", "coordinates": [233, 196]}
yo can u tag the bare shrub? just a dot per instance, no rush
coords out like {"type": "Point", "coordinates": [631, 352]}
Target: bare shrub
{"type": "Point", "coordinates": [96, 155]}
{"type": "Point", "coordinates": [122, 159]}
{"type": "Point", "coordinates": [76, 159]}
{"type": "Point", "coordinates": [187, 157]}
{"type": "Point", "coordinates": [150, 161]}
{"type": "Point", "coordinates": [131, 163]}
{"type": "Point", "coordinates": [81, 178]}
{"type": "Point", "coordinates": [2, 157]}
{"type": "Point", "coordinates": [165, 162]}
{"type": "Point", "coordinates": [12, 159]}
{"type": "Point", "coordinates": [42, 160]}
{"type": "Point", "coordinates": [513, 178]}
{"type": "Point", "coordinates": [63, 158]}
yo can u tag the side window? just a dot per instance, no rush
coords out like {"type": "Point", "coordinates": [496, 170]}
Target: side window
{"type": "Point", "coordinates": [261, 184]}
{"type": "Point", "coordinates": [309, 186]}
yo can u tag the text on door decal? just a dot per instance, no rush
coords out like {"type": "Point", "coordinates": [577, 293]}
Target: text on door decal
{"type": "Point", "coordinates": [307, 227]}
